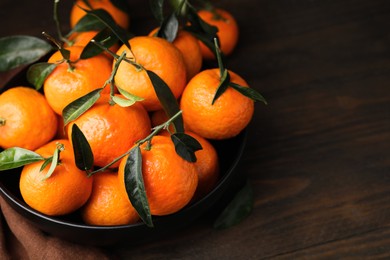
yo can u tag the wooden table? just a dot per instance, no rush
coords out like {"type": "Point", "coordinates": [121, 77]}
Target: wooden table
{"type": "Point", "coordinates": [318, 155]}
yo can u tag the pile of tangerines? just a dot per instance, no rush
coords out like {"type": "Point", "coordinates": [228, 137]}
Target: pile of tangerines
{"type": "Point", "coordinates": [109, 103]}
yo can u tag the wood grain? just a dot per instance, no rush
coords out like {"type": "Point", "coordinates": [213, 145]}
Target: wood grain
{"type": "Point", "coordinates": [318, 155]}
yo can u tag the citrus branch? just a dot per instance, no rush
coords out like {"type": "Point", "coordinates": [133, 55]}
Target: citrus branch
{"type": "Point", "coordinates": [116, 56]}
{"type": "Point", "coordinates": [57, 22]}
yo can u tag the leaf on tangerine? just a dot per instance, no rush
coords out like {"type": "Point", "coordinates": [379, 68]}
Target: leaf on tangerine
{"type": "Point", "coordinates": [105, 37]}
{"type": "Point", "coordinates": [38, 72]}
{"type": "Point", "coordinates": [167, 99]}
{"type": "Point", "coordinates": [76, 108]}
{"type": "Point", "coordinates": [135, 187]}
{"type": "Point", "coordinates": [53, 165]}
{"type": "Point", "coordinates": [15, 157]}
{"type": "Point", "coordinates": [249, 92]}
{"type": "Point", "coordinates": [108, 21]}
{"type": "Point", "coordinates": [88, 23]}
{"type": "Point", "coordinates": [82, 150]}
{"type": "Point", "coordinates": [223, 85]}
{"type": "Point", "coordinates": [186, 146]}
{"type": "Point", "coordinates": [169, 28]}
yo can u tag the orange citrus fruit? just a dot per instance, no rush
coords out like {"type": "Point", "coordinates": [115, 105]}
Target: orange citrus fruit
{"type": "Point", "coordinates": [119, 16]}
{"type": "Point", "coordinates": [189, 47]}
{"type": "Point", "coordinates": [170, 181]}
{"type": "Point", "coordinates": [207, 166]}
{"type": "Point", "coordinates": [65, 84]}
{"type": "Point", "coordinates": [157, 55]}
{"type": "Point", "coordinates": [107, 205]}
{"type": "Point", "coordinates": [226, 118]}
{"type": "Point", "coordinates": [26, 119]}
{"type": "Point", "coordinates": [65, 191]}
{"type": "Point", "coordinates": [111, 130]}
{"type": "Point", "coordinates": [228, 31]}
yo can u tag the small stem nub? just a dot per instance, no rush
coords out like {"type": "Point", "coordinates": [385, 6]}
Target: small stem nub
{"type": "Point", "coordinates": [2, 121]}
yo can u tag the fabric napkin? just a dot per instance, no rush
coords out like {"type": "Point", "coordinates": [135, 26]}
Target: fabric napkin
{"type": "Point", "coordinates": [20, 240]}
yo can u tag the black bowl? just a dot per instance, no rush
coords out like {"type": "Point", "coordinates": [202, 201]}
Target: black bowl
{"type": "Point", "coordinates": [71, 227]}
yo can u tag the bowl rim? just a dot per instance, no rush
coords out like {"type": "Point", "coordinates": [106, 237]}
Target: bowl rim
{"type": "Point", "coordinates": [227, 175]}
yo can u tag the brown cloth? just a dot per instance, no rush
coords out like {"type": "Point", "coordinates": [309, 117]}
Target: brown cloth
{"type": "Point", "coordinates": [20, 240]}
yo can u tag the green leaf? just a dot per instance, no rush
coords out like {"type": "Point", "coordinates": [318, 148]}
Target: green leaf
{"type": "Point", "coordinates": [53, 165]}
{"type": "Point", "coordinates": [167, 99]}
{"type": "Point", "coordinates": [104, 37]}
{"type": "Point", "coordinates": [82, 150]}
{"type": "Point", "coordinates": [38, 72]}
{"type": "Point", "coordinates": [107, 19]}
{"type": "Point", "coordinates": [75, 109]}
{"type": "Point", "coordinates": [65, 53]}
{"type": "Point", "coordinates": [88, 23]}
{"type": "Point", "coordinates": [223, 85]}
{"type": "Point", "coordinates": [169, 28]}
{"type": "Point", "coordinates": [135, 187]}
{"type": "Point", "coordinates": [15, 157]}
{"type": "Point", "coordinates": [128, 95]}
{"type": "Point", "coordinates": [237, 210]}
{"type": "Point", "coordinates": [21, 50]}
{"type": "Point", "coordinates": [156, 6]}
{"type": "Point", "coordinates": [186, 146]}
{"type": "Point", "coordinates": [129, 99]}
{"type": "Point", "coordinates": [249, 92]}
{"type": "Point", "coordinates": [122, 101]}
{"type": "Point", "coordinates": [46, 163]}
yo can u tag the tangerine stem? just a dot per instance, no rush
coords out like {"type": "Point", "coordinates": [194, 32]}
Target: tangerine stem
{"type": "Point", "coordinates": [111, 80]}
{"type": "Point", "coordinates": [57, 22]}
{"type": "Point", "coordinates": [116, 56]}
{"type": "Point", "coordinates": [2, 121]}
{"type": "Point", "coordinates": [158, 128]}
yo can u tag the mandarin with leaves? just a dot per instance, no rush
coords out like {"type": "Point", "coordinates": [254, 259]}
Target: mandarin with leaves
{"type": "Point", "coordinates": [26, 119]}
{"type": "Point", "coordinates": [107, 205]}
{"type": "Point", "coordinates": [65, 191]}
{"type": "Point", "coordinates": [154, 54]}
{"type": "Point", "coordinates": [223, 119]}
{"type": "Point", "coordinates": [120, 17]}
{"type": "Point", "coordinates": [190, 49]}
{"type": "Point", "coordinates": [76, 78]}
{"type": "Point", "coordinates": [111, 129]}
{"type": "Point", "coordinates": [169, 180]}
{"type": "Point", "coordinates": [228, 30]}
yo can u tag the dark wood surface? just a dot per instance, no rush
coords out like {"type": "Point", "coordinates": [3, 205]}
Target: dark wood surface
{"type": "Point", "coordinates": [318, 155]}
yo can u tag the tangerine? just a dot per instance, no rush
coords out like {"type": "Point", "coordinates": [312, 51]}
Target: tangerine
{"type": "Point", "coordinates": [226, 118]}
{"type": "Point", "coordinates": [68, 82]}
{"type": "Point", "coordinates": [228, 31]}
{"type": "Point", "coordinates": [170, 181]}
{"type": "Point", "coordinates": [157, 55]}
{"type": "Point", "coordinates": [26, 119]}
{"type": "Point", "coordinates": [189, 47]}
{"type": "Point", "coordinates": [111, 130]}
{"type": "Point", "coordinates": [107, 205]}
{"type": "Point", "coordinates": [65, 191]}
